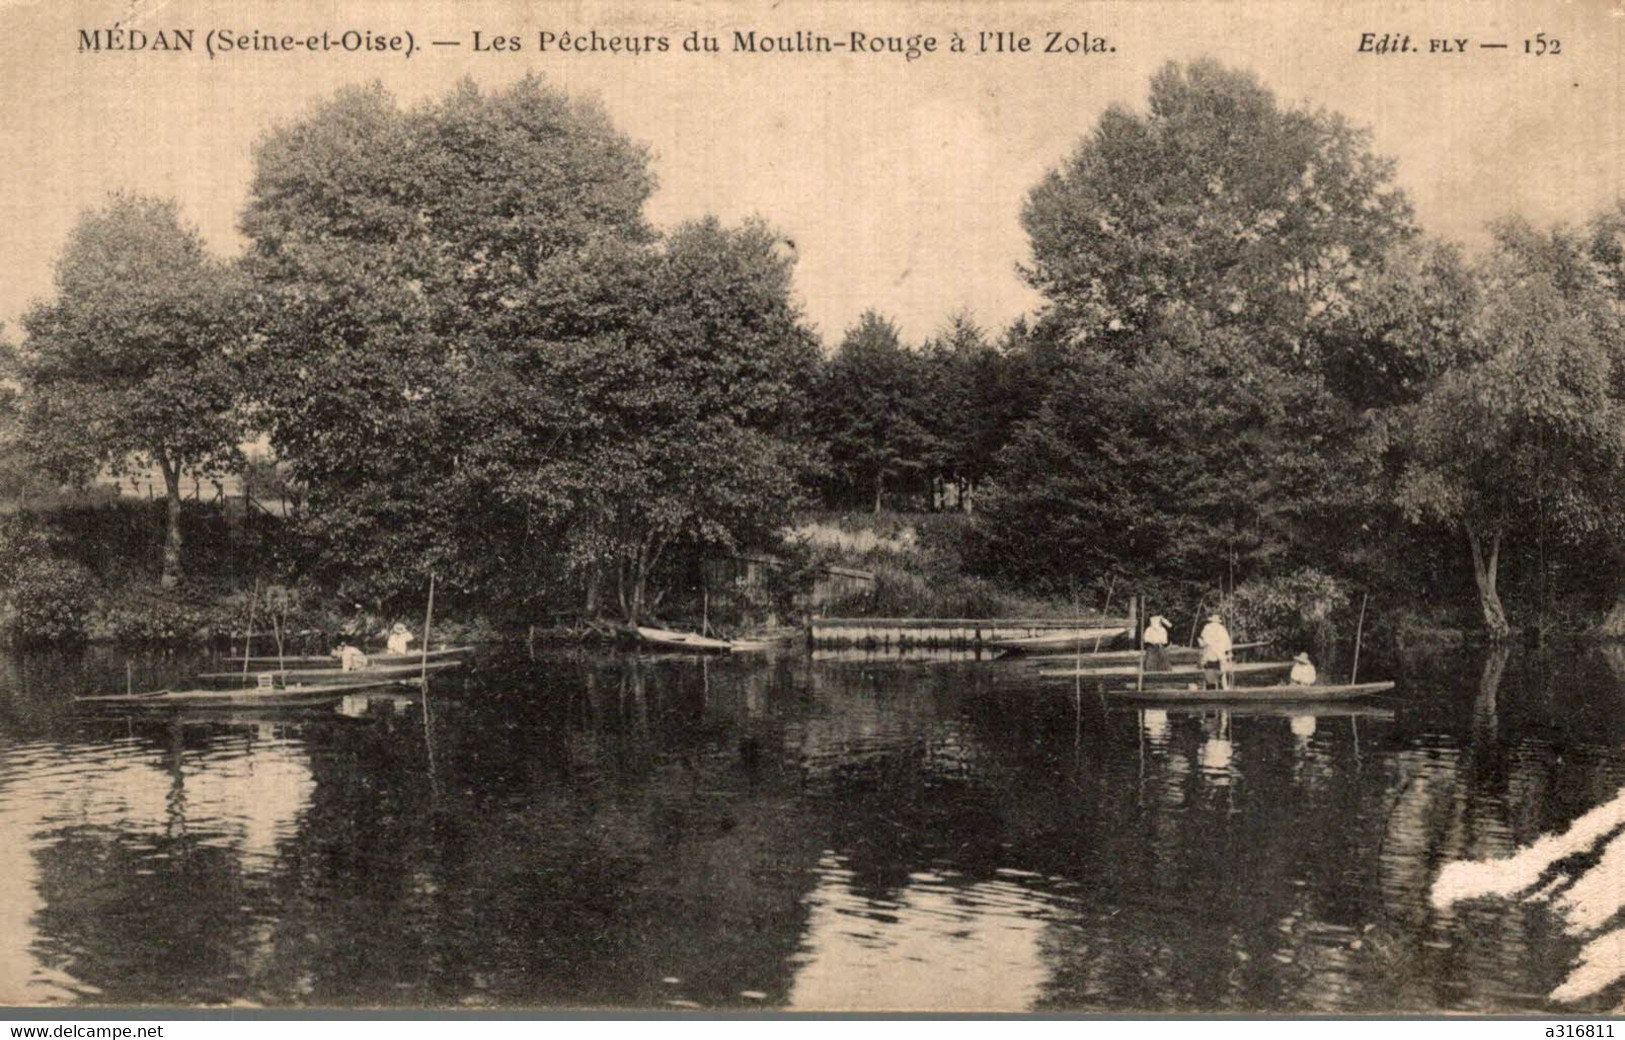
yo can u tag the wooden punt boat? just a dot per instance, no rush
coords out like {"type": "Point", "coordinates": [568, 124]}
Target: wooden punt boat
{"type": "Point", "coordinates": [302, 696]}
{"type": "Point", "coordinates": [1065, 639]}
{"type": "Point", "coordinates": [768, 641]}
{"type": "Point", "coordinates": [666, 639]}
{"type": "Point", "coordinates": [1182, 654]}
{"type": "Point", "coordinates": [324, 676]}
{"type": "Point", "coordinates": [328, 661]}
{"type": "Point", "coordinates": [1351, 708]}
{"type": "Point", "coordinates": [1274, 695]}
{"type": "Point", "coordinates": [1176, 672]}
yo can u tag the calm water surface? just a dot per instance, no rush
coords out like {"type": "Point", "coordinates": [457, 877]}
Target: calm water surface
{"type": "Point", "coordinates": [781, 832]}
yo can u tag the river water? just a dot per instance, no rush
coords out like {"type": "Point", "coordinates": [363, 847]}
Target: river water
{"type": "Point", "coordinates": [787, 833]}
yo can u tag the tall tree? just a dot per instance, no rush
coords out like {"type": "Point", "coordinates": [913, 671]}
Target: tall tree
{"type": "Point", "coordinates": [418, 268]}
{"type": "Point", "coordinates": [871, 410]}
{"type": "Point", "coordinates": [690, 433]}
{"type": "Point", "coordinates": [1216, 207]}
{"type": "Point", "coordinates": [1524, 418]}
{"type": "Point", "coordinates": [481, 359]}
{"type": "Point", "coordinates": [132, 362]}
{"type": "Point", "coordinates": [1194, 260]}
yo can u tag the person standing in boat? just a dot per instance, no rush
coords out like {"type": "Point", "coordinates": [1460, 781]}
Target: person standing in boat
{"type": "Point", "coordinates": [1155, 642]}
{"type": "Point", "coordinates": [1216, 653]}
{"type": "Point", "coordinates": [1303, 671]}
{"type": "Point", "coordinates": [399, 639]}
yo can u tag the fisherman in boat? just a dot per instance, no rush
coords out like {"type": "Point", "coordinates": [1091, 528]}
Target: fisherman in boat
{"type": "Point", "coordinates": [1216, 653]}
{"type": "Point", "coordinates": [1156, 645]}
{"type": "Point", "coordinates": [351, 659]}
{"type": "Point", "coordinates": [399, 638]}
{"type": "Point", "coordinates": [1303, 671]}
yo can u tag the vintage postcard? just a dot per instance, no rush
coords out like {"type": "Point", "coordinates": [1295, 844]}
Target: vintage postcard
{"type": "Point", "coordinates": [1086, 507]}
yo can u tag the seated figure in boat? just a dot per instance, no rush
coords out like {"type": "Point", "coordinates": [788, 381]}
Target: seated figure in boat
{"type": "Point", "coordinates": [1216, 653]}
{"type": "Point", "coordinates": [1156, 644]}
{"type": "Point", "coordinates": [351, 659]}
{"type": "Point", "coordinates": [399, 639]}
{"type": "Point", "coordinates": [1303, 671]}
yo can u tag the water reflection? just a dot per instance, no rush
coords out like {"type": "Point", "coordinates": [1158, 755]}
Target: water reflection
{"type": "Point", "coordinates": [784, 832]}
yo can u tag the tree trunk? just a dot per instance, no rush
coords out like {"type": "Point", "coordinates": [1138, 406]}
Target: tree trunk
{"type": "Point", "coordinates": [880, 484]}
{"type": "Point", "coordinates": [172, 539]}
{"type": "Point", "coordinates": [1486, 562]}
{"type": "Point", "coordinates": [595, 578]}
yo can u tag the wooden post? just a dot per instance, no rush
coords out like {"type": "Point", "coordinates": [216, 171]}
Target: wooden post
{"type": "Point", "coordinates": [1359, 630]}
{"type": "Point", "coordinates": [423, 687]}
{"type": "Point", "coordinates": [1106, 610]}
{"type": "Point", "coordinates": [248, 636]}
{"type": "Point", "coordinates": [428, 618]}
{"type": "Point", "coordinates": [1139, 681]}
{"type": "Point", "coordinates": [281, 659]}
{"type": "Point", "coordinates": [129, 676]}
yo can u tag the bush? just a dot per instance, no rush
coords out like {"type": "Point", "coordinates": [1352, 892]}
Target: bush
{"type": "Point", "coordinates": [45, 600]}
{"type": "Point", "coordinates": [1294, 610]}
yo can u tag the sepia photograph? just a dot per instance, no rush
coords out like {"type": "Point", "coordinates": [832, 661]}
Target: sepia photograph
{"type": "Point", "coordinates": [712, 508]}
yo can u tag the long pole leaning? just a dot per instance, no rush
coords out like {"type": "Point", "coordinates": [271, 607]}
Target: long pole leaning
{"type": "Point", "coordinates": [1359, 631]}
{"type": "Point", "coordinates": [428, 619]}
{"type": "Point", "coordinates": [1139, 680]}
{"type": "Point", "coordinates": [248, 637]}
{"type": "Point", "coordinates": [423, 676]}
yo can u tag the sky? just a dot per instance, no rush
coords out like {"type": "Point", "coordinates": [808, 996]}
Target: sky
{"type": "Point", "coordinates": [900, 182]}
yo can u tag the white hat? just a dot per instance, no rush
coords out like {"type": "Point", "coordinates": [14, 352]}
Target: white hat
{"type": "Point", "coordinates": [1302, 658]}
{"type": "Point", "coordinates": [1158, 619]}
{"type": "Point", "coordinates": [1214, 617]}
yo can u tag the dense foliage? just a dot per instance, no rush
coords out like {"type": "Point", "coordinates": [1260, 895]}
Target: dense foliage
{"type": "Point", "coordinates": [1251, 382]}
{"type": "Point", "coordinates": [479, 360]}
{"type": "Point", "coordinates": [132, 362]}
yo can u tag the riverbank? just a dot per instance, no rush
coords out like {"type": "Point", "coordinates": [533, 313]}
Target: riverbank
{"type": "Point", "coordinates": [68, 586]}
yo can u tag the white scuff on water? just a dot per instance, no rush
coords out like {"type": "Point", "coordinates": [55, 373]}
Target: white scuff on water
{"type": "Point", "coordinates": [1594, 898]}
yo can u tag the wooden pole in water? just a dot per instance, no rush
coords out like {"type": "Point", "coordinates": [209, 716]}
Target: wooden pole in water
{"type": "Point", "coordinates": [253, 601]}
{"type": "Point", "coordinates": [281, 658]}
{"type": "Point", "coordinates": [1106, 610]}
{"type": "Point", "coordinates": [1139, 680]}
{"type": "Point", "coordinates": [428, 618]}
{"type": "Point", "coordinates": [129, 676]}
{"type": "Point", "coordinates": [1359, 630]}
{"type": "Point", "coordinates": [423, 677]}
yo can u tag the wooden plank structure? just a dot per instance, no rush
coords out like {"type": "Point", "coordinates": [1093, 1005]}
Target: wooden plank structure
{"type": "Point", "coordinates": [881, 632]}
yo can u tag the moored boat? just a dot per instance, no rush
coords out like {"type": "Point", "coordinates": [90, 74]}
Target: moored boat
{"type": "Point", "coordinates": [1065, 639]}
{"type": "Point", "coordinates": [328, 661]}
{"type": "Point", "coordinates": [1177, 672]}
{"type": "Point", "coordinates": [667, 639]}
{"type": "Point", "coordinates": [1184, 654]}
{"type": "Point", "coordinates": [765, 641]}
{"type": "Point", "coordinates": [1284, 694]}
{"type": "Point", "coordinates": [300, 696]}
{"type": "Point", "coordinates": [325, 676]}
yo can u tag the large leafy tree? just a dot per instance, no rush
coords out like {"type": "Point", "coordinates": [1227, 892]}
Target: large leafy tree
{"type": "Point", "coordinates": [689, 433]}
{"type": "Point", "coordinates": [1523, 421]}
{"type": "Point", "coordinates": [416, 265]}
{"type": "Point", "coordinates": [132, 361]}
{"type": "Point", "coordinates": [1215, 207]}
{"type": "Point", "coordinates": [480, 359]}
{"type": "Point", "coordinates": [1194, 260]}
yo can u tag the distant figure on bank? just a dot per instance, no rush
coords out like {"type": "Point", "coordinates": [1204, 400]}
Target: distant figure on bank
{"type": "Point", "coordinates": [1303, 671]}
{"type": "Point", "coordinates": [1216, 650]}
{"type": "Point", "coordinates": [351, 659]}
{"type": "Point", "coordinates": [1156, 644]}
{"type": "Point", "coordinates": [399, 639]}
